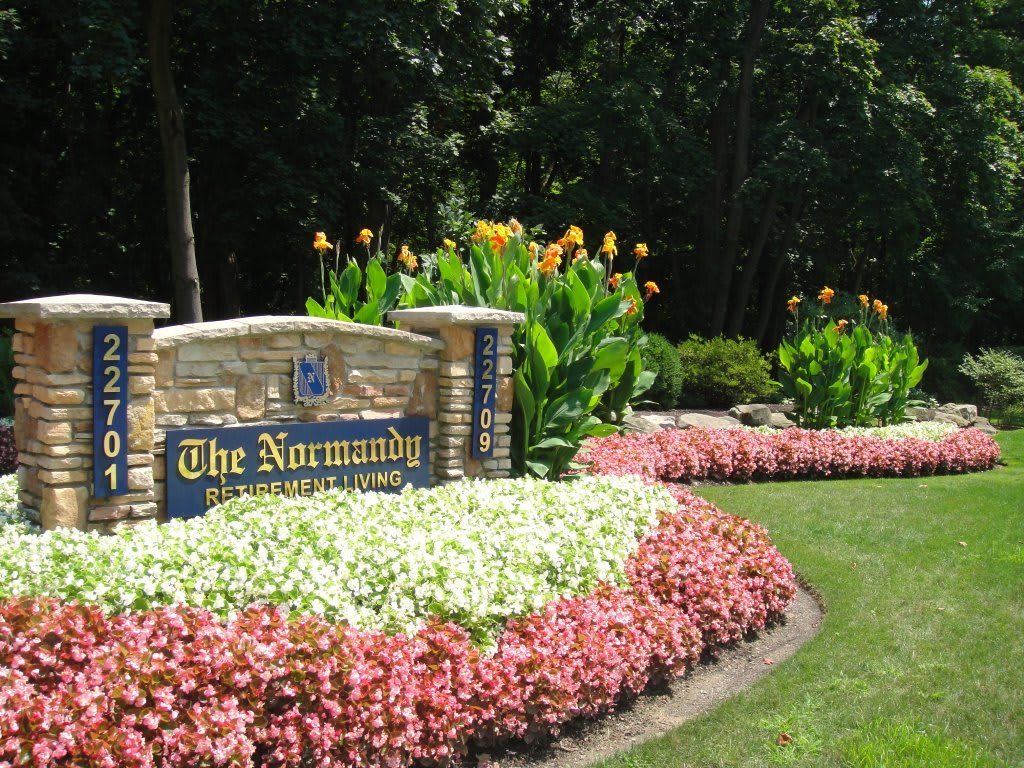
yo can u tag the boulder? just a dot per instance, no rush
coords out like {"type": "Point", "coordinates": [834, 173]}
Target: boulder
{"type": "Point", "coordinates": [754, 415]}
{"type": "Point", "coordinates": [985, 426]}
{"type": "Point", "coordinates": [646, 424]}
{"type": "Point", "coordinates": [915, 413]}
{"type": "Point", "coordinates": [951, 418]}
{"type": "Point", "coordinates": [687, 420]}
{"type": "Point", "coordinates": [966, 411]}
{"type": "Point", "coordinates": [781, 421]}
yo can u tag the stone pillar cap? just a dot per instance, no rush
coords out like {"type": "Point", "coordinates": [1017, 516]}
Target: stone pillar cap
{"type": "Point", "coordinates": [84, 306]}
{"type": "Point", "coordinates": [455, 314]}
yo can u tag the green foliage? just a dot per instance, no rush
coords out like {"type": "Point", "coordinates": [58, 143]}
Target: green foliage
{"type": "Point", "coordinates": [998, 375]}
{"type": "Point", "coordinates": [721, 372]}
{"type": "Point", "coordinates": [576, 359]}
{"type": "Point", "coordinates": [342, 294]}
{"type": "Point", "coordinates": [842, 374]}
{"type": "Point", "coordinates": [661, 358]}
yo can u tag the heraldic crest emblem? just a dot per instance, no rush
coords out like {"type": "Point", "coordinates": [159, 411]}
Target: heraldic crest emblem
{"type": "Point", "coordinates": [310, 384]}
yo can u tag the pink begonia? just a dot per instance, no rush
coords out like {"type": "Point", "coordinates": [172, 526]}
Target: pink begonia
{"type": "Point", "coordinates": [678, 455]}
{"type": "Point", "coordinates": [176, 687]}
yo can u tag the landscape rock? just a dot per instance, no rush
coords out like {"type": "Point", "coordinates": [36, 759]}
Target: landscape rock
{"type": "Point", "coordinates": [781, 421]}
{"type": "Point", "coordinates": [645, 424]}
{"type": "Point", "coordinates": [951, 418]}
{"type": "Point", "coordinates": [687, 420]}
{"type": "Point", "coordinates": [754, 415]}
{"type": "Point", "coordinates": [966, 411]}
{"type": "Point", "coordinates": [983, 424]}
{"type": "Point", "coordinates": [916, 413]}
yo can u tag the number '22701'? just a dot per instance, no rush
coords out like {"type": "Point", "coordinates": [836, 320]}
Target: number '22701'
{"type": "Point", "coordinates": [110, 410]}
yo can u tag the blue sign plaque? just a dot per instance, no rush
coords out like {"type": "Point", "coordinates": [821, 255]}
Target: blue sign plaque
{"type": "Point", "coordinates": [206, 467]}
{"type": "Point", "coordinates": [485, 394]}
{"type": "Point", "coordinates": [109, 410]}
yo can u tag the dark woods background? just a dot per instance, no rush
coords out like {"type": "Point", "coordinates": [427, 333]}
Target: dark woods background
{"type": "Point", "coordinates": [760, 148]}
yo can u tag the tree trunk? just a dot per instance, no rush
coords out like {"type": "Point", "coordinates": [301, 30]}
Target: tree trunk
{"type": "Point", "coordinates": [770, 288]}
{"type": "Point", "coordinates": [187, 306]}
{"type": "Point", "coordinates": [711, 224]}
{"type": "Point", "coordinates": [738, 308]}
{"type": "Point", "coordinates": [741, 160]}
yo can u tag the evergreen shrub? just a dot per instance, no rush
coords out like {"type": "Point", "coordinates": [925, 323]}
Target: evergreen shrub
{"type": "Point", "coordinates": [661, 358]}
{"type": "Point", "coordinates": [722, 372]}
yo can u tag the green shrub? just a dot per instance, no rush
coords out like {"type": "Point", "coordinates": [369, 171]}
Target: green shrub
{"type": "Point", "coordinates": [723, 372]}
{"type": "Point", "coordinates": [661, 358]}
{"type": "Point", "coordinates": [999, 376]}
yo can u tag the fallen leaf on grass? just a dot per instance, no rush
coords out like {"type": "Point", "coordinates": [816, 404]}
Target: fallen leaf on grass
{"type": "Point", "coordinates": [784, 740]}
{"type": "Point", "coordinates": [962, 543]}
{"type": "Point", "coordinates": [768, 662]}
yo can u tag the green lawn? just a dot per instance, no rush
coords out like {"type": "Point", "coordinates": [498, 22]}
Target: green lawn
{"type": "Point", "coordinates": [920, 659]}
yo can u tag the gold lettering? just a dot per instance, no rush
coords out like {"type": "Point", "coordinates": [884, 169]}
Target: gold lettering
{"type": "Point", "coordinates": [336, 453]}
{"type": "Point", "coordinates": [396, 446]}
{"type": "Point", "coordinates": [313, 463]}
{"type": "Point", "coordinates": [412, 451]}
{"type": "Point", "coordinates": [211, 497]}
{"type": "Point", "coordinates": [260, 489]}
{"type": "Point", "coordinates": [223, 462]}
{"type": "Point", "coordinates": [275, 488]}
{"type": "Point", "coordinates": [229, 491]}
{"type": "Point", "coordinates": [378, 450]}
{"type": "Point", "coordinates": [191, 459]}
{"type": "Point", "coordinates": [395, 479]}
{"type": "Point", "coordinates": [271, 450]}
{"type": "Point", "coordinates": [381, 480]}
{"type": "Point", "coordinates": [358, 451]}
{"type": "Point", "coordinates": [296, 456]}
{"type": "Point", "coordinates": [291, 488]}
{"type": "Point", "coordinates": [319, 485]}
{"type": "Point", "coordinates": [306, 485]}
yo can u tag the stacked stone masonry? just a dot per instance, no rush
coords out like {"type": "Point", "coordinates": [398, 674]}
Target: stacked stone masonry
{"type": "Point", "coordinates": [234, 372]}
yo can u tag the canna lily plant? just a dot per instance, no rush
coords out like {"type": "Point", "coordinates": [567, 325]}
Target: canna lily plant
{"type": "Point", "coordinates": [576, 359]}
{"type": "Point", "coordinates": [848, 373]}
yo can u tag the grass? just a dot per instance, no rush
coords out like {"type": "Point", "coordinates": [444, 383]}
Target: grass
{"type": "Point", "coordinates": [920, 658]}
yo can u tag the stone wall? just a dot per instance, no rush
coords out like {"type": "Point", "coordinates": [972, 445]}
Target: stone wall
{"type": "Point", "coordinates": [228, 373]}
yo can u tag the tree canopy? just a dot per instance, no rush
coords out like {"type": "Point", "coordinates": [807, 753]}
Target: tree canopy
{"type": "Point", "coordinates": [759, 147]}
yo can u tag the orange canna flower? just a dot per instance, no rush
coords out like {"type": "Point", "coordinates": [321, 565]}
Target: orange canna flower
{"type": "Point", "coordinates": [609, 244]}
{"type": "Point", "coordinates": [581, 253]}
{"type": "Point", "coordinates": [515, 227]}
{"type": "Point", "coordinates": [650, 288]}
{"type": "Point", "coordinates": [552, 258]}
{"type": "Point", "coordinates": [884, 312]}
{"type": "Point", "coordinates": [449, 244]}
{"type": "Point", "coordinates": [320, 242]}
{"type": "Point", "coordinates": [534, 250]}
{"type": "Point", "coordinates": [640, 251]}
{"type": "Point", "coordinates": [613, 281]}
{"type": "Point", "coordinates": [877, 305]}
{"type": "Point", "coordinates": [364, 237]}
{"type": "Point", "coordinates": [863, 299]}
{"type": "Point", "coordinates": [841, 326]}
{"type": "Point", "coordinates": [792, 304]}
{"type": "Point", "coordinates": [408, 258]}
{"type": "Point", "coordinates": [573, 237]}
{"type": "Point", "coordinates": [483, 231]}
{"type": "Point", "coordinates": [632, 306]}
{"type": "Point", "coordinates": [825, 297]}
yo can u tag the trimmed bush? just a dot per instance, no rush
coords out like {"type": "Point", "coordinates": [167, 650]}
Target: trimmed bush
{"type": "Point", "coordinates": [722, 372]}
{"type": "Point", "coordinates": [662, 358]}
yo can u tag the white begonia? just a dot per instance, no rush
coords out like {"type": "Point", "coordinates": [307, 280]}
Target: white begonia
{"type": "Point", "coordinates": [475, 552]}
{"type": "Point", "coordinates": [921, 430]}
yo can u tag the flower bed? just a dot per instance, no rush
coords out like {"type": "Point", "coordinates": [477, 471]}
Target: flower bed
{"type": "Point", "coordinates": [178, 686]}
{"type": "Point", "coordinates": [474, 553]}
{"type": "Point", "coordinates": [746, 454]}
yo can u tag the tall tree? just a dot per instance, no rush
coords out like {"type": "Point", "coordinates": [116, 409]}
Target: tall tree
{"type": "Point", "coordinates": [188, 307]}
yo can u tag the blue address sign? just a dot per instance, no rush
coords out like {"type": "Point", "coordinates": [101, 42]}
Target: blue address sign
{"type": "Point", "coordinates": [206, 467]}
{"type": "Point", "coordinates": [109, 410]}
{"type": "Point", "coordinates": [485, 393]}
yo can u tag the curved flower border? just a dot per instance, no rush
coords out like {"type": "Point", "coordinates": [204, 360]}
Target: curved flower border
{"type": "Point", "coordinates": [177, 687]}
{"type": "Point", "coordinates": [679, 455]}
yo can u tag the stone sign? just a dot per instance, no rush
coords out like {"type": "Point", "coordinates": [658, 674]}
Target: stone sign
{"type": "Point", "coordinates": [100, 431]}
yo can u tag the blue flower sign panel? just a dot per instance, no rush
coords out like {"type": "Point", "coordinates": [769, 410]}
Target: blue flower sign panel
{"type": "Point", "coordinates": [310, 383]}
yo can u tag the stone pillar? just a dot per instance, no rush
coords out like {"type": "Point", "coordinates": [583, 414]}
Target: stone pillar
{"type": "Point", "coordinates": [456, 327]}
{"type": "Point", "coordinates": [53, 411]}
